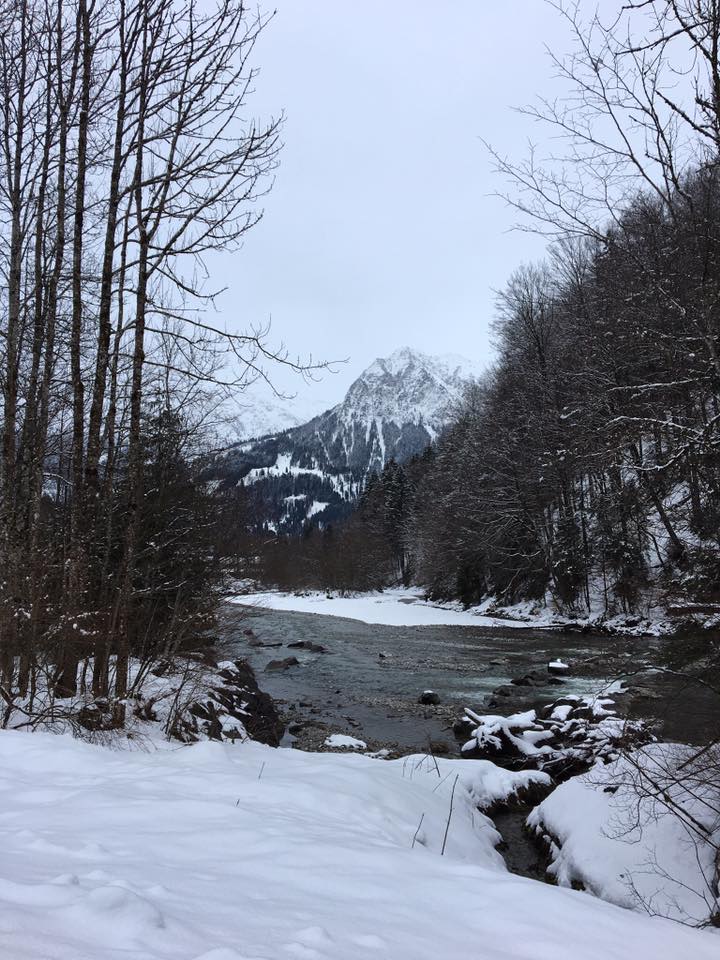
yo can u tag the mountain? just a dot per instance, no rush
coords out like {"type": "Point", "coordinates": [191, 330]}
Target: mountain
{"type": "Point", "coordinates": [393, 410]}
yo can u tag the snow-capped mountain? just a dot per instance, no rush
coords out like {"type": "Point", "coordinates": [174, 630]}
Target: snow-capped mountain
{"type": "Point", "coordinates": [262, 411]}
{"type": "Point", "coordinates": [394, 409]}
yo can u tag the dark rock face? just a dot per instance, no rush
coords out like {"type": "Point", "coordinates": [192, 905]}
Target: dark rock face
{"type": "Point", "coordinates": [235, 696]}
{"type": "Point", "coordinates": [260, 716]}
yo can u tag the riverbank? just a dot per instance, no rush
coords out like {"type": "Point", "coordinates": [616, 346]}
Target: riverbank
{"type": "Point", "coordinates": [346, 686]}
{"type": "Point", "coordinates": [407, 606]}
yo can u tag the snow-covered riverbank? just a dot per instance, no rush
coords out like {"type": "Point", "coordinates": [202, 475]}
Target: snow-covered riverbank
{"type": "Point", "coordinates": [406, 607]}
{"type": "Point", "coordinates": [402, 607]}
{"type": "Point", "coordinates": [242, 852]}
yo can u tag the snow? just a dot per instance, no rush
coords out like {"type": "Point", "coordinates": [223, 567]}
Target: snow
{"type": "Point", "coordinates": [519, 730]}
{"type": "Point", "coordinates": [626, 850]}
{"type": "Point", "coordinates": [342, 483]}
{"type": "Point", "coordinates": [221, 852]}
{"type": "Point", "coordinates": [342, 740]}
{"type": "Point", "coordinates": [397, 608]}
{"type": "Point", "coordinates": [406, 387]}
{"type": "Point", "coordinates": [558, 665]}
{"type": "Point", "coordinates": [262, 418]}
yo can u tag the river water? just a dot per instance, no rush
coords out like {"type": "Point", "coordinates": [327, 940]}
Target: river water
{"type": "Point", "coordinates": [369, 681]}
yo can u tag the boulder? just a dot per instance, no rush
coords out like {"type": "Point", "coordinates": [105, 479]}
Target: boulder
{"type": "Point", "coordinates": [307, 645]}
{"type": "Point", "coordinates": [533, 679]}
{"type": "Point", "coordinates": [253, 707]}
{"type": "Point", "coordinates": [429, 698]}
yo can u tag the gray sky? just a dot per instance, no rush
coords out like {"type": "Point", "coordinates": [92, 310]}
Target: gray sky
{"type": "Point", "coordinates": [381, 230]}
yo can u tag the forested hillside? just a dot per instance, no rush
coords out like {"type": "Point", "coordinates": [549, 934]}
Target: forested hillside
{"type": "Point", "coordinates": [587, 463]}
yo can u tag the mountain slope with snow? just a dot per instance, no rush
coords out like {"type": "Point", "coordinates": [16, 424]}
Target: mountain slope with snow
{"type": "Point", "coordinates": [258, 420]}
{"type": "Point", "coordinates": [393, 410]}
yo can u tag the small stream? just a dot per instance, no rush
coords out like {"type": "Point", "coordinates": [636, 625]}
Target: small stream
{"type": "Point", "coordinates": [520, 851]}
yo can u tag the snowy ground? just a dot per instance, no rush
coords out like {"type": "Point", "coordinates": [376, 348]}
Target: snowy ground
{"type": "Point", "coordinates": [630, 850]}
{"type": "Point", "coordinates": [241, 852]}
{"type": "Point", "coordinates": [405, 607]}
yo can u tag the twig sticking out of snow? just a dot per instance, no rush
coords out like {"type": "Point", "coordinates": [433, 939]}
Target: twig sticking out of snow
{"type": "Point", "coordinates": [438, 785]}
{"type": "Point", "coordinates": [422, 817]}
{"type": "Point", "coordinates": [447, 825]}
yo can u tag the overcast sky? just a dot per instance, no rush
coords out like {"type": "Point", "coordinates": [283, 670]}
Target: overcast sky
{"type": "Point", "coordinates": [382, 229]}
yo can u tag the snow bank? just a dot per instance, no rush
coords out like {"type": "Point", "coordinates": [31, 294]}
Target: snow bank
{"type": "Point", "coordinates": [627, 850]}
{"type": "Point", "coordinates": [394, 608]}
{"type": "Point", "coordinates": [221, 852]}
{"type": "Point", "coordinates": [405, 607]}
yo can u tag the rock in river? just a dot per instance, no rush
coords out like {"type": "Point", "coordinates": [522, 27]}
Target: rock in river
{"type": "Point", "coordinates": [307, 645]}
{"type": "Point", "coordinates": [429, 698]}
{"type": "Point", "coordinates": [558, 667]}
{"type": "Point", "coordinates": [282, 664]}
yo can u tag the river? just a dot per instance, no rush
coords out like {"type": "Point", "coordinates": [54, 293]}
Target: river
{"type": "Point", "coordinates": [368, 682]}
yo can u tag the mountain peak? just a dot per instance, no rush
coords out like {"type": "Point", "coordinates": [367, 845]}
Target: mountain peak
{"type": "Point", "coordinates": [407, 387]}
{"type": "Point", "coordinates": [450, 366]}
